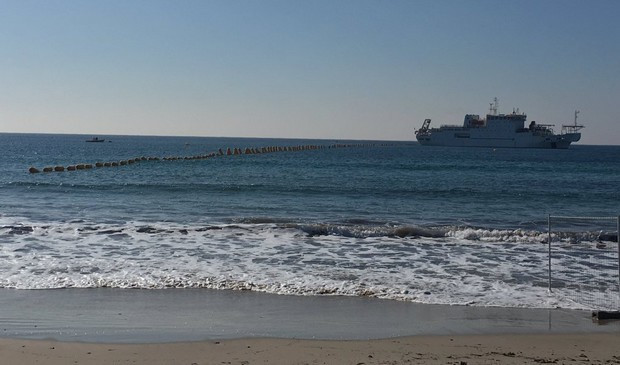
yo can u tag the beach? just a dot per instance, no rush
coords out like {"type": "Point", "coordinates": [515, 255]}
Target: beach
{"type": "Point", "coordinates": [382, 254]}
{"type": "Point", "coordinates": [196, 326]}
{"type": "Point", "coordinates": [309, 182]}
{"type": "Point", "coordinates": [474, 349]}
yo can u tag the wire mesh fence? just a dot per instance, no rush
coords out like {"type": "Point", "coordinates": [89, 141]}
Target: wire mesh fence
{"type": "Point", "coordinates": [584, 261]}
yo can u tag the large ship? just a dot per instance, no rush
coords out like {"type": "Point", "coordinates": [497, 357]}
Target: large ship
{"type": "Point", "coordinates": [499, 130]}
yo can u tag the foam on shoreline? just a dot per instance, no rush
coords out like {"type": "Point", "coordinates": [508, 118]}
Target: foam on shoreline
{"type": "Point", "coordinates": [423, 264]}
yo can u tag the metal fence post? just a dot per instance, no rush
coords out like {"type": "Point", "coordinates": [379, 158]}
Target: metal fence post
{"type": "Point", "coordinates": [549, 244]}
{"type": "Point", "coordinates": [618, 239]}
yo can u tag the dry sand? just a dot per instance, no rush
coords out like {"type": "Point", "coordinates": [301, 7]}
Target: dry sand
{"type": "Point", "coordinates": [596, 348]}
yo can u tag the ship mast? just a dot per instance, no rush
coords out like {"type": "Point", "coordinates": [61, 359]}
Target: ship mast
{"type": "Point", "coordinates": [576, 112]}
{"type": "Point", "coordinates": [493, 106]}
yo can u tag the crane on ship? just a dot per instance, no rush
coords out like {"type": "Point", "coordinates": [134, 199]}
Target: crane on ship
{"type": "Point", "coordinates": [572, 128]}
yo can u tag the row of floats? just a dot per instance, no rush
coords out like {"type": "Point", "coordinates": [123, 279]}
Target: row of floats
{"type": "Point", "coordinates": [220, 152]}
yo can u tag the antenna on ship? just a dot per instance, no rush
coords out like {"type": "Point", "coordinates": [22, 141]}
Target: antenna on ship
{"type": "Point", "coordinates": [493, 106]}
{"type": "Point", "coordinates": [576, 112]}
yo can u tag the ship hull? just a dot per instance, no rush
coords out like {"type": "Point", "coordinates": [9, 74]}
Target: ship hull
{"type": "Point", "coordinates": [477, 138]}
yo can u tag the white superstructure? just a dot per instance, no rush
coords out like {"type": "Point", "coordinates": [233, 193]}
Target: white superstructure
{"type": "Point", "coordinates": [498, 130]}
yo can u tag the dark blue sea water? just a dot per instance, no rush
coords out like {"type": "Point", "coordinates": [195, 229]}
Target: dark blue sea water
{"type": "Point", "coordinates": [387, 219]}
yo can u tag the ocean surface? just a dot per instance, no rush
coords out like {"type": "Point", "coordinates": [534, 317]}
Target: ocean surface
{"type": "Point", "coordinates": [392, 220]}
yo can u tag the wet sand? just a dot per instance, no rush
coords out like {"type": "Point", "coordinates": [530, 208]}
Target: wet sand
{"type": "Point", "coordinates": [183, 326]}
{"type": "Point", "coordinates": [175, 315]}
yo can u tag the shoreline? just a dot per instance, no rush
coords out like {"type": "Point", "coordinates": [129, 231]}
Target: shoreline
{"type": "Point", "coordinates": [205, 326]}
{"type": "Point", "coordinates": [187, 315]}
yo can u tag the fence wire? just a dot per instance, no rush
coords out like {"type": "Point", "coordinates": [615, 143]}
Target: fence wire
{"type": "Point", "coordinates": [584, 261]}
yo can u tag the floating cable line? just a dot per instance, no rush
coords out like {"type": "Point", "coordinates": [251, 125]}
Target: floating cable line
{"type": "Point", "coordinates": [228, 152]}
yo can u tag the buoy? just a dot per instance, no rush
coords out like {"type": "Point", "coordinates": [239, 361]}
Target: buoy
{"type": "Point", "coordinates": [220, 152]}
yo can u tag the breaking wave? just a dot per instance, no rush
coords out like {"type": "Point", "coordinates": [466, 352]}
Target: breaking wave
{"type": "Point", "coordinates": [428, 264]}
{"type": "Point", "coordinates": [357, 228]}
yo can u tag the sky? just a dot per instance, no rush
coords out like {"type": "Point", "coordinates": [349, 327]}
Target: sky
{"type": "Point", "coordinates": [346, 69]}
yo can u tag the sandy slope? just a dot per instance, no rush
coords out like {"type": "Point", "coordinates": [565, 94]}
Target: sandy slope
{"type": "Point", "coordinates": [488, 349]}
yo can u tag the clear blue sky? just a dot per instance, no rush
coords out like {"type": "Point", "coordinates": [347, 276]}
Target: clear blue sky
{"type": "Point", "coordinates": [315, 69]}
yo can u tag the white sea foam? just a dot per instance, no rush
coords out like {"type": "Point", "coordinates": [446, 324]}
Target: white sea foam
{"type": "Point", "coordinates": [431, 265]}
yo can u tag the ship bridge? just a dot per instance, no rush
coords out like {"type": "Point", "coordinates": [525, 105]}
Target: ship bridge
{"type": "Point", "coordinates": [511, 122]}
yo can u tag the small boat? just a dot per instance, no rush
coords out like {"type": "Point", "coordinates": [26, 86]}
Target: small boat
{"type": "Point", "coordinates": [95, 139]}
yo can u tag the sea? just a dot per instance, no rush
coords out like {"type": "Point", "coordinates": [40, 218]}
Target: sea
{"type": "Point", "coordinates": [380, 219]}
